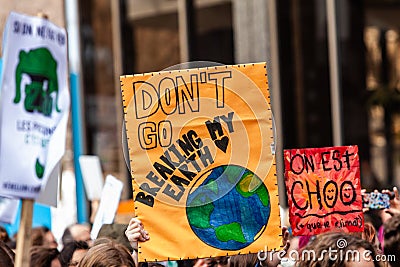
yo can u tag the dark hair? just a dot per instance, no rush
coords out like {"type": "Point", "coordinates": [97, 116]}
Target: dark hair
{"type": "Point", "coordinates": [67, 236]}
{"type": "Point", "coordinates": [392, 237]}
{"type": "Point", "coordinates": [7, 256]}
{"type": "Point", "coordinates": [68, 251]}
{"type": "Point", "coordinates": [245, 260]}
{"type": "Point", "coordinates": [42, 256]}
{"type": "Point", "coordinates": [218, 261]}
{"type": "Point", "coordinates": [37, 235]}
{"type": "Point", "coordinates": [4, 235]}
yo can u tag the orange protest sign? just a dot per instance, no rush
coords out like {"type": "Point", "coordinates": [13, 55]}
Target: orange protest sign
{"type": "Point", "coordinates": [324, 190]}
{"type": "Point", "coordinates": [202, 161]}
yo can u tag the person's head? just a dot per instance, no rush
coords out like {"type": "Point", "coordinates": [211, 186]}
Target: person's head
{"type": "Point", "coordinates": [44, 257]}
{"type": "Point", "coordinates": [220, 261]}
{"type": "Point", "coordinates": [7, 256]}
{"type": "Point", "coordinates": [102, 240]}
{"type": "Point", "coordinates": [4, 235]}
{"type": "Point", "coordinates": [108, 254]}
{"type": "Point", "coordinates": [370, 234]}
{"type": "Point", "coordinates": [115, 232]}
{"type": "Point", "coordinates": [77, 232]}
{"type": "Point", "coordinates": [391, 245]}
{"type": "Point", "coordinates": [338, 250]}
{"type": "Point", "coordinates": [72, 253]}
{"type": "Point", "coordinates": [42, 236]}
{"type": "Point", "coordinates": [245, 260]}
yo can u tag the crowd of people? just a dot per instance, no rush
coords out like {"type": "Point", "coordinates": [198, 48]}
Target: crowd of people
{"type": "Point", "coordinates": [377, 245]}
{"type": "Point", "coordinates": [117, 246]}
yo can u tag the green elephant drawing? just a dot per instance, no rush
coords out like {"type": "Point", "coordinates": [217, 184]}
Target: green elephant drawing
{"type": "Point", "coordinates": [41, 67]}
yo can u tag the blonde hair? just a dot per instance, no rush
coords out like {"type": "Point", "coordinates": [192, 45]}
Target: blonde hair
{"type": "Point", "coordinates": [109, 254]}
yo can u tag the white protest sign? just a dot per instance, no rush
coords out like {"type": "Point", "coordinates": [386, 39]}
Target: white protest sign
{"type": "Point", "coordinates": [49, 194]}
{"type": "Point", "coordinates": [108, 204]}
{"type": "Point", "coordinates": [34, 104]}
{"type": "Point", "coordinates": [92, 176]}
{"type": "Point", "coordinates": [8, 209]}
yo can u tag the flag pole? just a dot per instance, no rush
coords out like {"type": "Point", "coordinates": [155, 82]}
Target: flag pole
{"type": "Point", "coordinates": [22, 255]}
{"type": "Point", "coordinates": [24, 242]}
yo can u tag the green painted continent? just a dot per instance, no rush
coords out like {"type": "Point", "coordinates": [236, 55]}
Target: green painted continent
{"type": "Point", "coordinates": [232, 231]}
{"type": "Point", "coordinates": [263, 195]}
{"type": "Point", "coordinates": [199, 213]}
{"type": "Point", "coordinates": [250, 185]}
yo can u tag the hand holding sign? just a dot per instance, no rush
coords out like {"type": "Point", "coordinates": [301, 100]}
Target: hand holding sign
{"type": "Point", "coordinates": [394, 202]}
{"type": "Point", "coordinates": [200, 149]}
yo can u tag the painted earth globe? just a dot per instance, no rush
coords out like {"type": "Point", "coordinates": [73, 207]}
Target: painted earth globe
{"type": "Point", "coordinates": [230, 209]}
